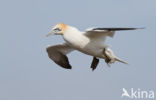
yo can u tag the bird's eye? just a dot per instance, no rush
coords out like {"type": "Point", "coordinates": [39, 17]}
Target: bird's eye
{"type": "Point", "coordinates": [57, 29]}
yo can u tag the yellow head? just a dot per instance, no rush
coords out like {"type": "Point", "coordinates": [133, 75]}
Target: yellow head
{"type": "Point", "coordinates": [58, 29]}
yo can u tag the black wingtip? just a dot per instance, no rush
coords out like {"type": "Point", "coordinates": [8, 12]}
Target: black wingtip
{"type": "Point", "coordinates": [135, 28]}
{"type": "Point", "coordinates": [68, 67]}
{"type": "Point", "coordinates": [65, 65]}
{"type": "Point", "coordinates": [118, 29]}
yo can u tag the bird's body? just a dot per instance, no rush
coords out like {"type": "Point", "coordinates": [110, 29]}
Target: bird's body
{"type": "Point", "coordinates": [77, 40]}
{"type": "Point", "coordinates": [90, 42]}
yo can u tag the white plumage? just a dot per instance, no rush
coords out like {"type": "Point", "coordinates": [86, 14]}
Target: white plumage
{"type": "Point", "coordinates": [90, 42]}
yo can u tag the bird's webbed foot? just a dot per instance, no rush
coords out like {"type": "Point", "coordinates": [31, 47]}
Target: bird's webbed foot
{"type": "Point", "coordinates": [94, 64]}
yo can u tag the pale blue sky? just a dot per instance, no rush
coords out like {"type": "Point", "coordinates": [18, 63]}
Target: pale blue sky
{"type": "Point", "coordinates": [26, 72]}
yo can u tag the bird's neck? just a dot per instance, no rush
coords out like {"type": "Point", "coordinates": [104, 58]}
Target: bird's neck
{"type": "Point", "coordinates": [74, 37]}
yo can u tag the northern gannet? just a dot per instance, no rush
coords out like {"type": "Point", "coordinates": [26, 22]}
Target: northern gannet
{"type": "Point", "coordinates": [90, 42]}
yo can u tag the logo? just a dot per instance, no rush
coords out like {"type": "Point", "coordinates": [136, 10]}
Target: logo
{"type": "Point", "coordinates": [137, 94]}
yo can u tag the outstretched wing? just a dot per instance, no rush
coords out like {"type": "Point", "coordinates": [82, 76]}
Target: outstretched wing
{"type": "Point", "coordinates": [100, 34]}
{"type": "Point", "coordinates": [57, 53]}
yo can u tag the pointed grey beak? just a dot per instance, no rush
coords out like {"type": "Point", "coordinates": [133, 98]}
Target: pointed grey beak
{"type": "Point", "coordinates": [50, 33]}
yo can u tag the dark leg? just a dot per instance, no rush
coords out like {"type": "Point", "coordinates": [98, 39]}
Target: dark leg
{"type": "Point", "coordinates": [94, 64]}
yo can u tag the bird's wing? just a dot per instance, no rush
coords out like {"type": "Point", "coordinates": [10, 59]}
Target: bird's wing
{"type": "Point", "coordinates": [100, 34]}
{"type": "Point", "coordinates": [57, 53]}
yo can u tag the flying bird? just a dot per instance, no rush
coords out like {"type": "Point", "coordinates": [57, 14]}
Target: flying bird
{"type": "Point", "coordinates": [90, 42]}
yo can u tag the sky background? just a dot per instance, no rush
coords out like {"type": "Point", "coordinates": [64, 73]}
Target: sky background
{"type": "Point", "coordinates": [26, 72]}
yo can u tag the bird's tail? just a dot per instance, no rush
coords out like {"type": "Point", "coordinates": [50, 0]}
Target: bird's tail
{"type": "Point", "coordinates": [118, 59]}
